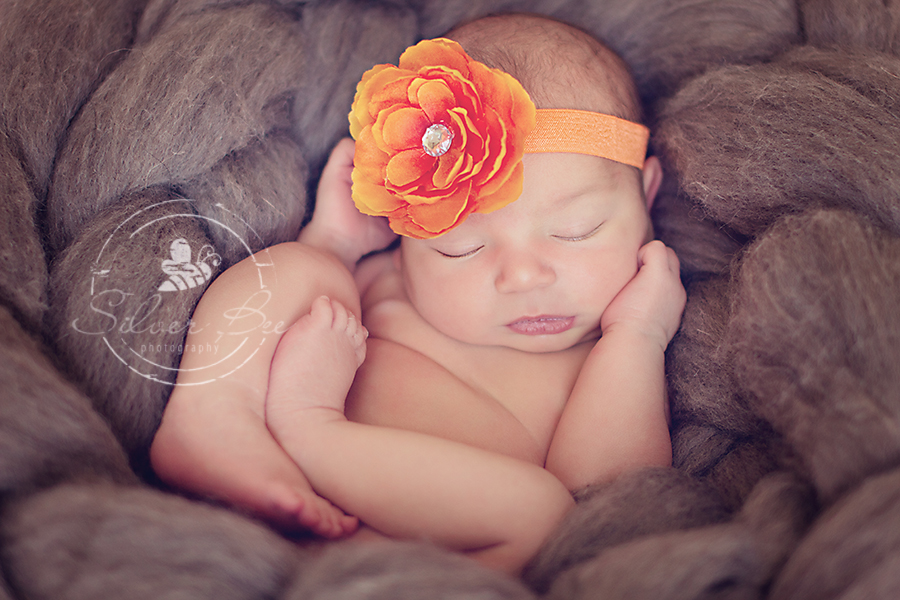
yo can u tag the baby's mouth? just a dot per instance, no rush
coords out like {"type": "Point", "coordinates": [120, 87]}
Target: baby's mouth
{"type": "Point", "coordinates": [542, 325]}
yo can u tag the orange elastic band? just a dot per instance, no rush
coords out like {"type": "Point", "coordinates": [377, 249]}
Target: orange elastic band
{"type": "Point", "coordinates": [585, 132]}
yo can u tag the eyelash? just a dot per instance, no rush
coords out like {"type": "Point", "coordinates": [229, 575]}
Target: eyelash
{"type": "Point", "coordinates": [463, 255]}
{"type": "Point", "coordinates": [580, 238]}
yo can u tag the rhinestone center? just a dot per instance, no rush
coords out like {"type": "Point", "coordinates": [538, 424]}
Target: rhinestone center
{"type": "Point", "coordinates": [437, 139]}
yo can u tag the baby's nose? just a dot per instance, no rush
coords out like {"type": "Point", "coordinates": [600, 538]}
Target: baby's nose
{"type": "Point", "coordinates": [522, 271]}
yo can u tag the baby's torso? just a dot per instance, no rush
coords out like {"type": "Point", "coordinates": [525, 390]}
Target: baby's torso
{"type": "Point", "coordinates": [414, 377]}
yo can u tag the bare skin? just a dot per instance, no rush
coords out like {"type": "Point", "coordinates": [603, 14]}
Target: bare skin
{"type": "Point", "coordinates": [400, 481]}
{"type": "Point", "coordinates": [493, 413]}
{"type": "Point", "coordinates": [213, 440]}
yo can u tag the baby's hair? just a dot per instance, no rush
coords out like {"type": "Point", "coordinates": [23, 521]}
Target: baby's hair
{"type": "Point", "coordinates": [560, 66]}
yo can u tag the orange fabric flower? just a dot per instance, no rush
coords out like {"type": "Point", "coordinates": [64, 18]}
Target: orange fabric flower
{"type": "Point", "coordinates": [403, 119]}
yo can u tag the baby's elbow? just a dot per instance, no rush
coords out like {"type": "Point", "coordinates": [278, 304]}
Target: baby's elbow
{"type": "Point", "coordinates": [658, 455]}
{"type": "Point", "coordinates": [579, 476]}
{"type": "Point", "coordinates": [576, 476]}
{"type": "Point", "coordinates": [655, 451]}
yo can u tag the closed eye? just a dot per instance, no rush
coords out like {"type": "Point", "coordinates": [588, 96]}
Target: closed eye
{"type": "Point", "coordinates": [463, 255]}
{"type": "Point", "coordinates": [579, 238]}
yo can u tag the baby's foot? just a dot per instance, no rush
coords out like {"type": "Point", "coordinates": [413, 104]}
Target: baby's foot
{"type": "Point", "coordinates": [214, 447]}
{"type": "Point", "coordinates": [314, 364]}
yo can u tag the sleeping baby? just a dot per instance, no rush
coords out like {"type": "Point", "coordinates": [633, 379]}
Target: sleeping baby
{"type": "Point", "coordinates": [509, 350]}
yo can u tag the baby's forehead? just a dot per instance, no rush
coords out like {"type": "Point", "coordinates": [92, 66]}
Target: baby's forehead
{"type": "Point", "coordinates": [555, 184]}
{"type": "Point", "coordinates": [557, 175]}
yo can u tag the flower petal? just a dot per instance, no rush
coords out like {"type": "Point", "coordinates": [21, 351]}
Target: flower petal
{"type": "Point", "coordinates": [439, 217]}
{"type": "Point", "coordinates": [510, 190]}
{"type": "Point", "coordinates": [439, 51]}
{"type": "Point", "coordinates": [371, 198]}
{"type": "Point", "coordinates": [489, 114]}
{"type": "Point", "coordinates": [473, 141]}
{"type": "Point", "coordinates": [359, 113]}
{"type": "Point", "coordinates": [403, 128]}
{"type": "Point", "coordinates": [499, 153]}
{"type": "Point", "coordinates": [434, 97]}
{"type": "Point", "coordinates": [368, 158]}
{"type": "Point", "coordinates": [448, 168]}
{"type": "Point", "coordinates": [408, 166]}
{"type": "Point", "coordinates": [389, 88]}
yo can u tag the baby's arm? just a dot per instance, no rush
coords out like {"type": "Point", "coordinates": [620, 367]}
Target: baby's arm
{"type": "Point", "coordinates": [616, 418]}
{"type": "Point", "coordinates": [403, 483]}
{"type": "Point", "coordinates": [337, 225]}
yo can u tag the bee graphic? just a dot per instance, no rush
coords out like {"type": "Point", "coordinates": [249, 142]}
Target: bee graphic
{"type": "Point", "coordinates": [184, 274]}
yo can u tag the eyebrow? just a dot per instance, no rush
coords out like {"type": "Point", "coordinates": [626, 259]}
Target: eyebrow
{"type": "Point", "coordinates": [564, 200]}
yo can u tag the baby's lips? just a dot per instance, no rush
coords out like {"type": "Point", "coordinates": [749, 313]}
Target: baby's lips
{"type": "Point", "coordinates": [542, 325]}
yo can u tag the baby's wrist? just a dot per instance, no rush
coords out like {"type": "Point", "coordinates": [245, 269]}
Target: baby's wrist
{"type": "Point", "coordinates": [637, 332]}
{"type": "Point", "coordinates": [323, 238]}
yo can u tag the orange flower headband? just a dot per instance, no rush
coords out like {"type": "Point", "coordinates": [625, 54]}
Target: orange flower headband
{"type": "Point", "coordinates": [442, 136]}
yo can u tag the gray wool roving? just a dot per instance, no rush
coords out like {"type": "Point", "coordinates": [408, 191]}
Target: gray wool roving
{"type": "Point", "coordinates": [815, 338]}
{"type": "Point", "coordinates": [134, 129]}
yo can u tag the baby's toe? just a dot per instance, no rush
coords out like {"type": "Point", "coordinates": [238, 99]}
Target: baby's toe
{"type": "Point", "coordinates": [309, 515]}
{"type": "Point", "coordinates": [349, 524]}
{"type": "Point", "coordinates": [322, 310]}
{"type": "Point", "coordinates": [331, 524]}
{"type": "Point", "coordinates": [360, 335]}
{"type": "Point", "coordinates": [353, 325]}
{"type": "Point", "coordinates": [341, 315]}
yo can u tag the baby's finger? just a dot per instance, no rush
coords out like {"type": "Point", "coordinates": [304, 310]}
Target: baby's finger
{"type": "Point", "coordinates": [340, 162]}
{"type": "Point", "coordinates": [657, 253]}
{"type": "Point", "coordinates": [651, 252]}
{"type": "Point", "coordinates": [674, 263]}
{"type": "Point", "coordinates": [342, 155]}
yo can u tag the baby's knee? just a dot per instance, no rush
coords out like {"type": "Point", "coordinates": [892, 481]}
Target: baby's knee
{"type": "Point", "coordinates": [303, 273]}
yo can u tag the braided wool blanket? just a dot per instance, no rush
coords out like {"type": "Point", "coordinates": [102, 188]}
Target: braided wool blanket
{"type": "Point", "coordinates": [127, 124]}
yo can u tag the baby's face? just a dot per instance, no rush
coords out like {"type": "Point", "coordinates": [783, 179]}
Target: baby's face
{"type": "Point", "coordinates": [537, 274]}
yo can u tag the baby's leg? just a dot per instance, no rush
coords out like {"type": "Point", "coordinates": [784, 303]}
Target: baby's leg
{"type": "Point", "coordinates": [213, 441]}
{"type": "Point", "coordinates": [402, 483]}
{"type": "Point", "coordinates": [222, 450]}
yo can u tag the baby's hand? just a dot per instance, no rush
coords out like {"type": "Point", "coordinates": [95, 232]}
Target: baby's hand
{"type": "Point", "coordinates": [337, 225]}
{"type": "Point", "coordinates": [652, 302]}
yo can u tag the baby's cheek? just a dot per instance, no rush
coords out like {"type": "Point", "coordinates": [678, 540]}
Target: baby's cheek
{"type": "Point", "coordinates": [443, 309]}
{"type": "Point", "coordinates": [611, 272]}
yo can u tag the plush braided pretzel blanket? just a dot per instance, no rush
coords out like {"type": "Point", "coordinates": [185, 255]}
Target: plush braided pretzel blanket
{"type": "Point", "coordinates": [146, 145]}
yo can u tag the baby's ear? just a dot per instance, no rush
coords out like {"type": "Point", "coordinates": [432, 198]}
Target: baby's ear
{"type": "Point", "coordinates": [651, 177]}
